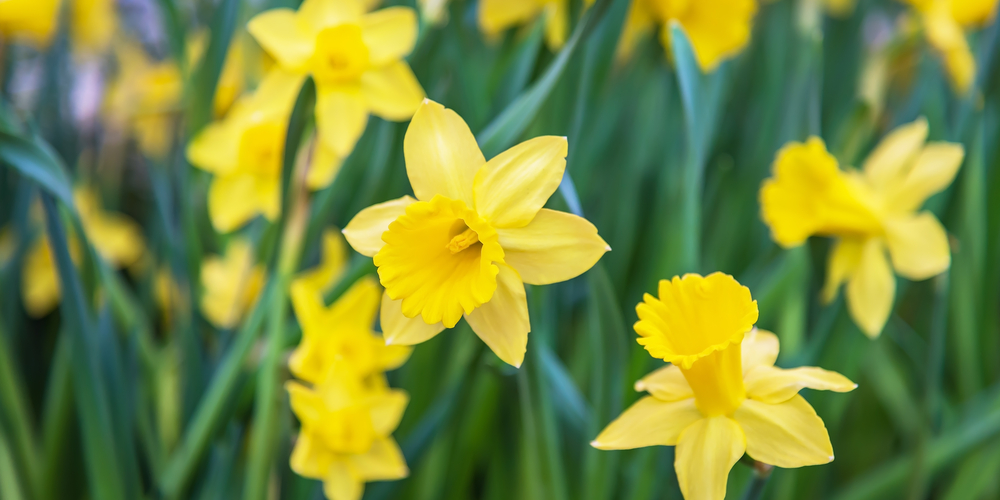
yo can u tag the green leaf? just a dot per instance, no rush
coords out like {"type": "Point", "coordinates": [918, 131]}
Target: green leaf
{"type": "Point", "coordinates": [206, 77]}
{"type": "Point", "coordinates": [39, 162]}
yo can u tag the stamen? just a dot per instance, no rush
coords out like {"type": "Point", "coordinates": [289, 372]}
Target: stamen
{"type": "Point", "coordinates": [464, 240]}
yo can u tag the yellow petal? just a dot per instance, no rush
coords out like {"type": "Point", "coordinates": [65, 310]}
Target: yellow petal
{"type": "Point", "coordinates": [331, 266]}
{"type": "Point", "coordinates": [694, 317]}
{"type": "Point", "coordinates": [503, 321]}
{"type": "Point", "coordinates": [648, 422]}
{"type": "Point", "coordinates": [341, 117]}
{"type": "Point", "coordinates": [389, 34]}
{"type": "Point", "coordinates": [325, 13]}
{"type": "Point", "coordinates": [759, 348]}
{"type": "Point", "coordinates": [706, 451]}
{"type": "Point", "coordinates": [387, 410]}
{"type": "Point", "coordinates": [383, 462]}
{"type": "Point", "coordinates": [364, 232]}
{"type": "Point", "coordinates": [442, 155]}
{"type": "Point", "coordinates": [392, 91]}
{"type": "Point", "coordinates": [772, 385]}
{"type": "Point", "coordinates": [808, 194]}
{"type": "Point", "coordinates": [283, 35]}
{"type": "Point", "coordinates": [553, 247]}
{"type": "Point", "coordinates": [358, 306]}
{"type": "Point", "coordinates": [232, 201]}
{"type": "Point", "coordinates": [918, 245]}
{"type": "Point", "coordinates": [216, 148]}
{"type": "Point", "coordinates": [341, 482]}
{"type": "Point", "coordinates": [895, 152]}
{"type": "Point", "coordinates": [788, 434]}
{"type": "Point", "coordinates": [556, 24]}
{"type": "Point", "coordinates": [667, 384]}
{"type": "Point", "coordinates": [324, 167]}
{"type": "Point", "coordinates": [400, 330]}
{"type": "Point", "coordinates": [498, 15]}
{"type": "Point", "coordinates": [934, 169]}
{"type": "Point", "coordinates": [718, 29]}
{"type": "Point", "coordinates": [307, 405]}
{"type": "Point", "coordinates": [310, 458]}
{"type": "Point", "coordinates": [871, 289]}
{"type": "Point", "coordinates": [844, 258]}
{"type": "Point", "coordinates": [117, 238]}
{"type": "Point", "coordinates": [638, 22]}
{"type": "Point", "coordinates": [513, 186]}
{"type": "Point", "coordinates": [973, 13]}
{"type": "Point", "coordinates": [39, 280]}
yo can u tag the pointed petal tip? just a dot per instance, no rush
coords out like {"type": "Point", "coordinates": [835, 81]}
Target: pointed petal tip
{"type": "Point", "coordinates": [607, 248]}
{"type": "Point", "coordinates": [595, 444]}
{"type": "Point", "coordinates": [639, 386]}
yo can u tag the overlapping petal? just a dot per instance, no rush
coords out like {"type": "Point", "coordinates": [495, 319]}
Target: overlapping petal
{"type": "Point", "coordinates": [871, 289]}
{"type": "Point", "coordinates": [888, 161]}
{"type": "Point", "coordinates": [513, 186]}
{"type": "Point", "coordinates": [283, 34]}
{"type": "Point", "coordinates": [364, 232]}
{"type": "Point", "coordinates": [389, 34]}
{"type": "Point", "coordinates": [706, 451]}
{"type": "Point", "coordinates": [845, 254]}
{"type": "Point", "coordinates": [772, 385]}
{"type": "Point", "coordinates": [502, 323]}
{"type": "Point", "coordinates": [400, 330]}
{"type": "Point", "coordinates": [759, 348]}
{"type": "Point", "coordinates": [392, 91]}
{"type": "Point", "coordinates": [341, 117]}
{"type": "Point", "coordinates": [383, 462]}
{"type": "Point", "coordinates": [918, 245]}
{"type": "Point", "coordinates": [553, 247]}
{"type": "Point", "coordinates": [788, 434]}
{"type": "Point", "coordinates": [933, 170]}
{"type": "Point", "coordinates": [666, 384]}
{"type": "Point", "coordinates": [648, 422]}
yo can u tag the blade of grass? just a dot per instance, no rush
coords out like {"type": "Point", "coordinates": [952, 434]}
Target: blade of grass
{"type": "Point", "coordinates": [206, 76]}
{"type": "Point", "coordinates": [15, 418]}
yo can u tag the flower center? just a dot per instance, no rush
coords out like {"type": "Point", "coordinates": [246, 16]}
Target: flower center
{"type": "Point", "coordinates": [348, 430]}
{"type": "Point", "coordinates": [439, 259]}
{"type": "Point", "coordinates": [341, 55]}
{"type": "Point", "coordinates": [261, 149]}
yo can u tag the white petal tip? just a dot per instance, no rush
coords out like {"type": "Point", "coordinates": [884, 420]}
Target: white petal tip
{"type": "Point", "coordinates": [607, 248]}
{"type": "Point", "coordinates": [426, 101]}
{"type": "Point", "coordinates": [639, 386]}
{"type": "Point", "coordinates": [388, 341]}
{"type": "Point", "coordinates": [595, 444]}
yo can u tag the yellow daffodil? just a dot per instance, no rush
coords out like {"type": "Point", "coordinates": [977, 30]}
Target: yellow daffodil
{"type": "Point", "coordinates": [245, 151]}
{"type": "Point", "coordinates": [231, 284]}
{"type": "Point", "coordinates": [870, 212]}
{"type": "Point", "coordinates": [354, 57]}
{"type": "Point", "coordinates": [346, 437]}
{"type": "Point", "coordinates": [115, 237]}
{"type": "Point", "coordinates": [143, 98]}
{"type": "Point", "coordinates": [496, 16]}
{"type": "Point", "coordinates": [721, 395]}
{"type": "Point", "coordinates": [718, 29]}
{"type": "Point", "coordinates": [331, 265]}
{"type": "Point", "coordinates": [232, 77]}
{"type": "Point", "coordinates": [93, 24]}
{"type": "Point", "coordinates": [473, 236]}
{"type": "Point", "coordinates": [944, 22]}
{"type": "Point", "coordinates": [33, 21]}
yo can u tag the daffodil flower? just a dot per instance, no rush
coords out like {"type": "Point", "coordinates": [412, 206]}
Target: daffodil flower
{"type": "Point", "coordinates": [346, 437]}
{"type": "Point", "coordinates": [143, 98]}
{"type": "Point", "coordinates": [33, 21]}
{"type": "Point", "coordinates": [115, 237]}
{"type": "Point", "coordinates": [354, 57]}
{"type": "Point", "coordinates": [721, 395]}
{"type": "Point", "coordinates": [93, 24]}
{"type": "Point", "coordinates": [331, 265]}
{"type": "Point", "coordinates": [944, 22]}
{"type": "Point", "coordinates": [245, 151]}
{"type": "Point", "coordinates": [870, 212]}
{"type": "Point", "coordinates": [473, 236]}
{"type": "Point", "coordinates": [231, 284]}
{"type": "Point", "coordinates": [496, 16]}
{"type": "Point", "coordinates": [718, 29]}
{"type": "Point", "coordinates": [231, 79]}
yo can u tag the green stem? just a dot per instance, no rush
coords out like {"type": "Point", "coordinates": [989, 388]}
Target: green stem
{"type": "Point", "coordinates": [755, 488]}
{"type": "Point", "coordinates": [15, 418]}
{"type": "Point", "coordinates": [57, 417]}
{"type": "Point", "coordinates": [10, 484]}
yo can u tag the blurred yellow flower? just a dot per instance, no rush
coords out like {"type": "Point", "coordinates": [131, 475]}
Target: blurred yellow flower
{"type": "Point", "coordinates": [721, 395]}
{"type": "Point", "coordinates": [115, 237]}
{"type": "Point", "coordinates": [245, 151]}
{"type": "Point", "coordinates": [354, 57]}
{"type": "Point", "coordinates": [718, 29]}
{"type": "Point", "coordinates": [498, 15]}
{"type": "Point", "coordinates": [231, 284]}
{"type": "Point", "coordinates": [473, 236]}
{"type": "Point", "coordinates": [331, 266]}
{"type": "Point", "coordinates": [869, 212]}
{"type": "Point", "coordinates": [33, 21]}
{"type": "Point", "coordinates": [233, 76]}
{"type": "Point", "coordinates": [346, 437]}
{"type": "Point", "coordinates": [93, 25]}
{"type": "Point", "coordinates": [944, 22]}
{"type": "Point", "coordinates": [144, 97]}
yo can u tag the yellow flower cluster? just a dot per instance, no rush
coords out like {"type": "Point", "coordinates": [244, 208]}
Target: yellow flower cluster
{"type": "Point", "coordinates": [347, 410]}
{"type": "Point", "coordinates": [945, 23]}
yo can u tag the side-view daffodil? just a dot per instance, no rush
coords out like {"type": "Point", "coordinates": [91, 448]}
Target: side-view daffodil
{"type": "Point", "coordinates": [718, 29]}
{"type": "Point", "coordinates": [245, 151]}
{"type": "Point", "coordinates": [721, 396]}
{"type": "Point", "coordinates": [496, 16]}
{"type": "Point", "coordinates": [473, 236]}
{"type": "Point", "coordinates": [346, 437]}
{"type": "Point", "coordinates": [354, 57]}
{"type": "Point", "coordinates": [944, 23]}
{"type": "Point", "coordinates": [115, 237]}
{"type": "Point", "coordinates": [231, 284]}
{"type": "Point", "coordinates": [143, 98]}
{"type": "Point", "coordinates": [341, 332]}
{"type": "Point", "coordinates": [32, 21]}
{"type": "Point", "coordinates": [869, 212]}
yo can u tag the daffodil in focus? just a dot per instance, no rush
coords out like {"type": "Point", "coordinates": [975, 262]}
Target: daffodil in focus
{"type": "Point", "coordinates": [496, 16]}
{"type": "Point", "coordinates": [231, 284]}
{"type": "Point", "coordinates": [718, 29]}
{"type": "Point", "coordinates": [245, 151]}
{"type": "Point", "coordinates": [32, 21]}
{"type": "Point", "coordinates": [116, 238]}
{"type": "Point", "coordinates": [721, 396]}
{"type": "Point", "coordinates": [354, 57]}
{"type": "Point", "coordinates": [945, 23]}
{"type": "Point", "coordinates": [870, 212]}
{"type": "Point", "coordinates": [144, 98]}
{"type": "Point", "coordinates": [473, 236]}
{"type": "Point", "coordinates": [346, 437]}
